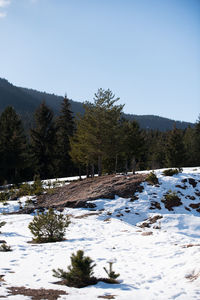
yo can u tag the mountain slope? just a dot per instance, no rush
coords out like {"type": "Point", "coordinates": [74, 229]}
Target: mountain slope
{"type": "Point", "coordinates": [156, 251]}
{"type": "Point", "coordinates": [25, 101]}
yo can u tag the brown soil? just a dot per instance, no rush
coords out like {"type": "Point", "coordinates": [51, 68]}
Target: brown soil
{"type": "Point", "coordinates": [155, 205]}
{"type": "Point", "coordinates": [197, 205]}
{"type": "Point", "coordinates": [192, 182]}
{"type": "Point", "coordinates": [76, 194]}
{"type": "Point", "coordinates": [37, 294]}
{"type": "Point", "coordinates": [191, 245]}
{"type": "Point", "coordinates": [171, 202]}
{"type": "Point", "coordinates": [192, 277]}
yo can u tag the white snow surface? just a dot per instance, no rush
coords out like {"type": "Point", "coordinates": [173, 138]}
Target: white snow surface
{"type": "Point", "coordinates": [151, 267]}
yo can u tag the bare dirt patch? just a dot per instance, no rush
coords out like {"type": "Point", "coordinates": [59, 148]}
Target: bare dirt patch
{"type": "Point", "coordinates": [190, 245]}
{"type": "Point", "coordinates": [195, 206]}
{"type": "Point", "coordinates": [193, 276]}
{"type": "Point", "coordinates": [36, 294]}
{"type": "Point", "coordinates": [192, 181]}
{"type": "Point", "coordinates": [76, 194]}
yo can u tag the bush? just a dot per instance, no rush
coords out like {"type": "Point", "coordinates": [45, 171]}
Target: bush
{"type": "Point", "coordinates": [27, 189]}
{"type": "Point", "coordinates": [4, 196]}
{"type": "Point", "coordinates": [171, 200]}
{"type": "Point", "coordinates": [37, 185]}
{"type": "Point", "coordinates": [49, 227]}
{"type": "Point", "coordinates": [5, 248]}
{"type": "Point", "coordinates": [80, 272]}
{"type": "Point", "coordinates": [171, 172]}
{"type": "Point", "coordinates": [152, 178]}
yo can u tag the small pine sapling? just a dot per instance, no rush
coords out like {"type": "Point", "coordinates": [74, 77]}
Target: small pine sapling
{"type": "Point", "coordinates": [80, 272]}
{"type": "Point", "coordinates": [37, 185]}
{"type": "Point", "coordinates": [49, 226]}
{"type": "Point", "coordinates": [112, 276]}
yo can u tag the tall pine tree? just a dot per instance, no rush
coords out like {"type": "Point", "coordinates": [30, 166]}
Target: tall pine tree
{"type": "Point", "coordinates": [97, 129]}
{"type": "Point", "coordinates": [197, 142]}
{"type": "Point", "coordinates": [43, 142]}
{"type": "Point", "coordinates": [64, 130]}
{"type": "Point", "coordinates": [133, 144]}
{"type": "Point", "coordinates": [13, 147]}
{"type": "Point", "coordinates": [175, 150]}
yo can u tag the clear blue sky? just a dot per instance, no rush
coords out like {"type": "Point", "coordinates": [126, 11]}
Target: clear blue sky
{"type": "Point", "coordinates": [146, 51]}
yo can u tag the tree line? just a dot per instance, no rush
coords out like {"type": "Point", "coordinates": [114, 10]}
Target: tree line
{"type": "Point", "coordinates": [100, 141]}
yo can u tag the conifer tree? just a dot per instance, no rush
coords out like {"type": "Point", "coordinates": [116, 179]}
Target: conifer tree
{"type": "Point", "coordinates": [197, 142]}
{"type": "Point", "coordinates": [189, 144]}
{"type": "Point", "coordinates": [13, 147]}
{"type": "Point", "coordinates": [156, 150]}
{"type": "Point", "coordinates": [64, 130]}
{"type": "Point", "coordinates": [97, 130]}
{"type": "Point", "coordinates": [43, 142]}
{"type": "Point", "coordinates": [133, 143]}
{"type": "Point", "coordinates": [175, 151]}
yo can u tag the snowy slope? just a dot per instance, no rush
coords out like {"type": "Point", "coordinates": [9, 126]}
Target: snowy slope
{"type": "Point", "coordinates": [162, 265]}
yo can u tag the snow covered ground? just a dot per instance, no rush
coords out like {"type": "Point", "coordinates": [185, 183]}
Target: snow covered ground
{"type": "Point", "coordinates": [162, 265]}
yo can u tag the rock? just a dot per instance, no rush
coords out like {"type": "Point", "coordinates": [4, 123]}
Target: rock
{"type": "Point", "coordinates": [76, 194]}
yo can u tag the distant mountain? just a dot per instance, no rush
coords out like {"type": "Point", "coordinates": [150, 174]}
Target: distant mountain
{"type": "Point", "coordinates": [158, 123]}
{"type": "Point", "coordinates": [25, 101]}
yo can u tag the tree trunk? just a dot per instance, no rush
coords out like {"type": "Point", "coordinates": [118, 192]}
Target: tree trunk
{"type": "Point", "coordinates": [87, 171]}
{"type": "Point", "coordinates": [133, 165]}
{"type": "Point", "coordinates": [116, 162]}
{"type": "Point", "coordinates": [92, 170]}
{"type": "Point", "coordinates": [79, 169]}
{"type": "Point", "coordinates": [126, 166]}
{"type": "Point", "coordinates": [99, 165]}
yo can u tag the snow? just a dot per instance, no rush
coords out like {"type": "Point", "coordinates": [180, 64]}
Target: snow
{"type": "Point", "coordinates": [151, 267]}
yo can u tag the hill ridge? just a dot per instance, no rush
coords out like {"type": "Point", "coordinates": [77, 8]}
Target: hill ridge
{"type": "Point", "coordinates": [26, 100]}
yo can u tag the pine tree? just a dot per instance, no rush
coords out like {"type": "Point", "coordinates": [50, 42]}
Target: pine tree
{"type": "Point", "coordinates": [64, 130]}
{"type": "Point", "coordinates": [197, 142]}
{"type": "Point", "coordinates": [189, 144]}
{"type": "Point", "coordinates": [96, 132]}
{"type": "Point", "coordinates": [133, 143]}
{"type": "Point", "coordinates": [43, 142]}
{"type": "Point", "coordinates": [13, 147]}
{"type": "Point", "coordinates": [80, 273]}
{"type": "Point", "coordinates": [175, 151]}
{"type": "Point", "coordinates": [157, 150]}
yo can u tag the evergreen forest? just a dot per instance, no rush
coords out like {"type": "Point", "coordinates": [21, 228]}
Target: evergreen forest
{"type": "Point", "coordinates": [100, 141]}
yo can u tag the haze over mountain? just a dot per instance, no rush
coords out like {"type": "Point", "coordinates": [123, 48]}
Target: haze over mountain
{"type": "Point", "coordinates": [25, 101]}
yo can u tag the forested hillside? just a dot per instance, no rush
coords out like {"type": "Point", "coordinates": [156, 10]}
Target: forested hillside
{"type": "Point", "coordinates": [25, 101]}
{"type": "Point", "coordinates": [100, 141]}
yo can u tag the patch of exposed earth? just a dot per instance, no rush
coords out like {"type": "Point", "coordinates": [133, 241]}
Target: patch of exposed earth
{"type": "Point", "coordinates": [76, 194]}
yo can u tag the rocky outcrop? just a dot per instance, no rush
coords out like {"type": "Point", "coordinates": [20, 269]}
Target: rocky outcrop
{"type": "Point", "coordinates": [76, 194]}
